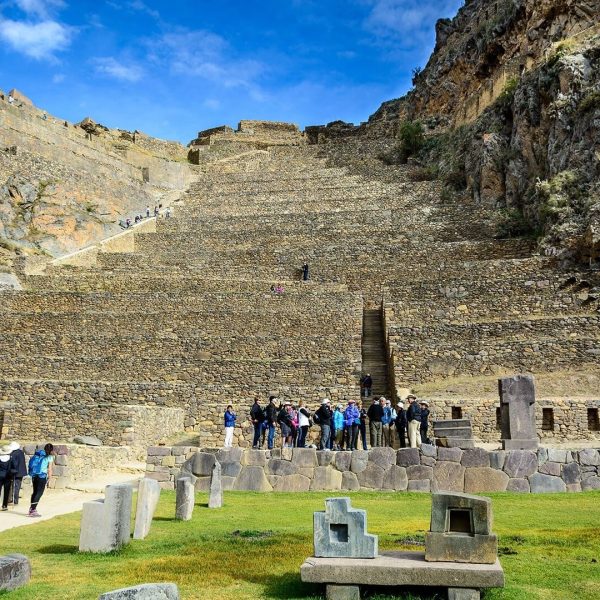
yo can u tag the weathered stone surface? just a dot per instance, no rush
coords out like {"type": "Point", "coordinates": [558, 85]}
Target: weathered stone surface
{"type": "Point", "coordinates": [360, 458]}
{"type": "Point", "coordinates": [228, 482]}
{"type": "Point", "coordinates": [230, 455]}
{"type": "Point", "coordinates": [231, 469]}
{"type": "Point", "coordinates": [202, 464]}
{"type": "Point", "coordinates": [475, 457]}
{"type": "Point", "coordinates": [105, 524]}
{"type": "Point", "coordinates": [252, 479]}
{"type": "Point", "coordinates": [254, 458]}
{"type": "Point", "coordinates": [292, 483]}
{"type": "Point", "coordinates": [419, 485]}
{"type": "Point", "coordinates": [341, 531]}
{"type": "Point", "coordinates": [550, 468]}
{"type": "Point", "coordinates": [371, 477]}
{"type": "Point", "coordinates": [325, 458]}
{"type": "Point", "coordinates": [215, 496]}
{"type": "Point", "coordinates": [382, 457]}
{"type": "Point", "coordinates": [485, 479]}
{"type": "Point", "coordinates": [147, 499]}
{"type": "Point", "coordinates": [146, 591]}
{"type": "Point", "coordinates": [304, 458]}
{"type": "Point", "coordinates": [419, 472]}
{"type": "Point", "coordinates": [428, 461]}
{"type": "Point", "coordinates": [589, 457]}
{"type": "Point", "coordinates": [15, 572]}
{"type": "Point", "coordinates": [542, 484]}
{"type": "Point", "coordinates": [450, 454]}
{"type": "Point", "coordinates": [593, 483]}
{"type": "Point", "coordinates": [542, 454]}
{"type": "Point", "coordinates": [518, 485]}
{"type": "Point", "coordinates": [517, 399]}
{"type": "Point", "coordinates": [448, 476]}
{"type": "Point", "coordinates": [407, 457]}
{"type": "Point", "coordinates": [343, 460]}
{"type": "Point", "coordinates": [463, 594]}
{"type": "Point", "coordinates": [276, 466]}
{"type": "Point", "coordinates": [429, 450]}
{"type": "Point", "coordinates": [201, 484]}
{"type": "Point", "coordinates": [557, 455]}
{"type": "Point", "coordinates": [326, 478]}
{"type": "Point", "coordinates": [395, 478]}
{"type": "Point", "coordinates": [184, 499]}
{"type": "Point", "coordinates": [350, 481]}
{"type": "Point", "coordinates": [87, 440]}
{"type": "Point", "coordinates": [342, 592]}
{"type": "Point", "coordinates": [520, 463]}
{"type": "Point", "coordinates": [497, 458]}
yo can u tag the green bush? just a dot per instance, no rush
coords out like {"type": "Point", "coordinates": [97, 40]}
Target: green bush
{"type": "Point", "coordinates": [590, 102]}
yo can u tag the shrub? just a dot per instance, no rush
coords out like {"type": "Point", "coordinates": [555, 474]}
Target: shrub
{"type": "Point", "coordinates": [590, 103]}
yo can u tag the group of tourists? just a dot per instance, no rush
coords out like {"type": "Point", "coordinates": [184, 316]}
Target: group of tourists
{"type": "Point", "coordinates": [127, 223]}
{"type": "Point", "coordinates": [340, 427]}
{"type": "Point", "coordinates": [13, 470]}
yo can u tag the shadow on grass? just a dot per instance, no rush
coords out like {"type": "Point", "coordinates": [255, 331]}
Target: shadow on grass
{"type": "Point", "coordinates": [288, 586]}
{"type": "Point", "coordinates": [59, 549]}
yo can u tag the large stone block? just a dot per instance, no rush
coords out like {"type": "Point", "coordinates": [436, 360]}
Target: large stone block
{"type": "Point", "coordinates": [341, 531]}
{"type": "Point", "coordinates": [485, 479]}
{"type": "Point", "coordinates": [371, 477]}
{"type": "Point", "coordinates": [343, 460]}
{"type": "Point", "coordinates": [589, 457]}
{"type": "Point", "coordinates": [215, 493]}
{"type": "Point", "coordinates": [276, 466]}
{"type": "Point", "coordinates": [419, 485]}
{"type": "Point", "coordinates": [342, 592]}
{"type": "Point", "coordinates": [146, 591]}
{"type": "Point", "coordinates": [254, 458]}
{"type": "Point", "coordinates": [429, 450]}
{"type": "Point", "coordinates": [230, 455]}
{"type": "Point", "coordinates": [419, 472]}
{"type": "Point", "coordinates": [231, 469]}
{"type": "Point", "coordinates": [252, 479]}
{"type": "Point", "coordinates": [449, 477]}
{"type": "Point", "coordinates": [304, 458]}
{"type": "Point", "coordinates": [408, 457]}
{"type": "Point", "coordinates": [497, 458]}
{"type": "Point", "coordinates": [325, 458]}
{"type": "Point", "coordinates": [292, 483]}
{"type": "Point", "coordinates": [475, 457]}
{"type": "Point", "coordinates": [106, 523]}
{"type": "Point", "coordinates": [350, 481]}
{"type": "Point", "coordinates": [147, 499]}
{"type": "Point", "coordinates": [360, 458]}
{"type": "Point", "coordinates": [463, 594]}
{"type": "Point", "coordinates": [518, 485]}
{"type": "Point", "coordinates": [15, 572]}
{"type": "Point", "coordinates": [382, 457]}
{"type": "Point", "coordinates": [557, 455]}
{"type": "Point", "coordinates": [326, 478]}
{"type": "Point", "coordinates": [520, 463]}
{"type": "Point", "coordinates": [395, 478]}
{"type": "Point", "coordinates": [202, 464]}
{"type": "Point", "coordinates": [450, 454]}
{"type": "Point", "coordinates": [593, 483]}
{"type": "Point", "coordinates": [184, 499]}
{"type": "Point", "coordinates": [544, 484]}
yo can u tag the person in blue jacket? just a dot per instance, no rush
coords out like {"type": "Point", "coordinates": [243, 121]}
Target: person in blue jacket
{"type": "Point", "coordinates": [40, 471]}
{"type": "Point", "coordinates": [351, 424]}
{"type": "Point", "coordinates": [229, 418]}
{"type": "Point", "coordinates": [338, 427]}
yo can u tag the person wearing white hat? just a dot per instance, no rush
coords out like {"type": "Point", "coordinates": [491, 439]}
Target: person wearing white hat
{"type": "Point", "coordinates": [5, 475]}
{"type": "Point", "coordinates": [19, 470]}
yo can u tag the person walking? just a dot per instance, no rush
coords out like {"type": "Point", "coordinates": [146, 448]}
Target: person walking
{"type": "Point", "coordinates": [413, 416]}
{"type": "Point", "coordinates": [424, 423]}
{"type": "Point", "coordinates": [257, 416]}
{"type": "Point", "coordinates": [338, 428]}
{"type": "Point", "coordinates": [367, 384]}
{"type": "Point", "coordinates": [323, 416]}
{"type": "Point", "coordinates": [375, 414]}
{"type": "Point", "coordinates": [6, 467]}
{"type": "Point", "coordinates": [19, 470]}
{"type": "Point", "coordinates": [362, 423]}
{"type": "Point", "coordinates": [303, 424]}
{"type": "Point", "coordinates": [271, 421]}
{"type": "Point", "coordinates": [40, 471]}
{"type": "Point", "coordinates": [401, 423]}
{"type": "Point", "coordinates": [229, 418]}
{"type": "Point", "coordinates": [351, 425]}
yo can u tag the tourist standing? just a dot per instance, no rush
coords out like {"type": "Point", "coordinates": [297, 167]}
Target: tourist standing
{"type": "Point", "coordinates": [362, 424]}
{"type": "Point", "coordinates": [367, 384]}
{"type": "Point", "coordinates": [401, 423]}
{"type": "Point", "coordinates": [257, 416]}
{"type": "Point", "coordinates": [229, 418]}
{"type": "Point", "coordinates": [305, 274]}
{"type": "Point", "coordinates": [375, 414]}
{"type": "Point", "coordinates": [338, 428]}
{"type": "Point", "coordinates": [351, 424]}
{"type": "Point", "coordinates": [324, 419]}
{"type": "Point", "coordinates": [386, 420]}
{"type": "Point", "coordinates": [6, 466]}
{"type": "Point", "coordinates": [147, 211]}
{"type": "Point", "coordinates": [271, 421]}
{"type": "Point", "coordinates": [19, 470]}
{"type": "Point", "coordinates": [284, 419]}
{"type": "Point", "coordinates": [303, 424]}
{"type": "Point", "coordinates": [424, 423]}
{"type": "Point", "coordinates": [413, 416]}
{"type": "Point", "coordinates": [40, 471]}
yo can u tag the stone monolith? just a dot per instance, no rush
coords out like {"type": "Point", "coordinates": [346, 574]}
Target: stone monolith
{"type": "Point", "coordinates": [147, 499]}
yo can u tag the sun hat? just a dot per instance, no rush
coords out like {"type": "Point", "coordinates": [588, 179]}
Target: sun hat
{"type": "Point", "coordinates": [411, 396]}
{"type": "Point", "coordinates": [425, 402]}
{"type": "Point", "coordinates": [13, 446]}
{"type": "Point", "coordinates": [325, 401]}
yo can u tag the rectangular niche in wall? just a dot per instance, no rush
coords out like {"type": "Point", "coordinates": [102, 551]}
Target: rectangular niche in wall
{"type": "Point", "coordinates": [593, 419]}
{"type": "Point", "coordinates": [547, 419]}
{"type": "Point", "coordinates": [498, 418]}
{"type": "Point", "coordinates": [457, 412]}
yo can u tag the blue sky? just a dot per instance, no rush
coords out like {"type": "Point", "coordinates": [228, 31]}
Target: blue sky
{"type": "Point", "coordinates": [171, 68]}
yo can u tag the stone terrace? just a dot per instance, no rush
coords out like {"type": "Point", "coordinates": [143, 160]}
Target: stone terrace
{"type": "Point", "coordinates": [188, 319]}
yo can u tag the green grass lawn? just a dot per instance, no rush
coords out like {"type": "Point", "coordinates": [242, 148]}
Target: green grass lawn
{"type": "Point", "coordinates": [253, 547]}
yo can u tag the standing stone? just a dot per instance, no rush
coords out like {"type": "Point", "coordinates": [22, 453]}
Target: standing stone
{"type": "Point", "coordinates": [184, 499]}
{"type": "Point", "coordinates": [517, 413]}
{"type": "Point", "coordinates": [105, 523]}
{"type": "Point", "coordinates": [147, 499]}
{"type": "Point", "coordinates": [15, 571]}
{"type": "Point", "coordinates": [215, 497]}
{"type": "Point", "coordinates": [146, 591]}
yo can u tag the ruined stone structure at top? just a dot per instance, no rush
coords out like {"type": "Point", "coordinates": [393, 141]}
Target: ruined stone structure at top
{"type": "Point", "coordinates": [517, 413]}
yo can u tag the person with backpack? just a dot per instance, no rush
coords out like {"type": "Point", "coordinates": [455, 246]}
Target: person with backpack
{"type": "Point", "coordinates": [284, 418]}
{"type": "Point", "coordinates": [19, 470]}
{"type": "Point", "coordinates": [257, 416]}
{"type": "Point", "coordinates": [323, 417]}
{"type": "Point", "coordinates": [40, 471]}
{"type": "Point", "coordinates": [6, 466]}
{"type": "Point", "coordinates": [229, 418]}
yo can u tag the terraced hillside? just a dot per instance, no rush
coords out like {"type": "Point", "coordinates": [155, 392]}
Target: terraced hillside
{"type": "Point", "coordinates": [189, 320]}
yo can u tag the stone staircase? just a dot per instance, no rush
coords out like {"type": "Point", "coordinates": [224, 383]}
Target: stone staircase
{"type": "Point", "coordinates": [404, 284]}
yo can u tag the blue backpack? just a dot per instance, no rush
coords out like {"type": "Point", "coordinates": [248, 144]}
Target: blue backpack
{"type": "Point", "coordinates": [36, 463]}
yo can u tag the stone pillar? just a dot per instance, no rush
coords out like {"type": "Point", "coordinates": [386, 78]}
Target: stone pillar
{"type": "Point", "coordinates": [147, 499]}
{"type": "Point", "coordinates": [517, 413]}
{"type": "Point", "coordinates": [184, 499]}
{"type": "Point", "coordinates": [105, 524]}
{"type": "Point", "coordinates": [215, 498]}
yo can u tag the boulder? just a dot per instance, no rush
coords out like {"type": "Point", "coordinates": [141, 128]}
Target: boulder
{"type": "Point", "coordinates": [475, 457]}
{"type": "Point", "coordinates": [407, 457]}
{"type": "Point", "coordinates": [593, 483]}
{"type": "Point", "coordinates": [395, 478]}
{"type": "Point", "coordinates": [550, 468]}
{"type": "Point", "coordinates": [518, 485]}
{"type": "Point", "coordinates": [343, 460]}
{"type": "Point", "coordinates": [419, 485]}
{"type": "Point", "coordinates": [325, 458]}
{"type": "Point", "coordinates": [202, 464]}
{"type": "Point", "coordinates": [276, 466]}
{"type": "Point", "coordinates": [326, 478]}
{"type": "Point", "coordinates": [15, 572]}
{"type": "Point", "coordinates": [252, 479]}
{"type": "Point", "coordinates": [146, 591]}
{"type": "Point", "coordinates": [485, 479]}
{"type": "Point", "coordinates": [304, 458]}
{"type": "Point", "coordinates": [360, 458]}
{"type": "Point", "coordinates": [543, 484]}
{"type": "Point", "coordinates": [147, 499]}
{"type": "Point", "coordinates": [382, 457]}
{"type": "Point", "coordinates": [292, 483]}
{"type": "Point", "coordinates": [557, 455]}
{"type": "Point", "coordinates": [371, 477]}
{"type": "Point", "coordinates": [571, 473]}
{"type": "Point", "coordinates": [429, 450]}
{"type": "Point", "coordinates": [520, 463]}
{"type": "Point", "coordinates": [350, 481]}
{"type": "Point", "coordinates": [428, 461]}
{"type": "Point", "coordinates": [87, 440]}
{"type": "Point", "coordinates": [448, 477]}
{"type": "Point", "coordinates": [450, 454]}
{"type": "Point", "coordinates": [589, 457]}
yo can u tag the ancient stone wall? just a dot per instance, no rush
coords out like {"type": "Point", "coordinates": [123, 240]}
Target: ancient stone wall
{"type": "Point", "coordinates": [430, 469]}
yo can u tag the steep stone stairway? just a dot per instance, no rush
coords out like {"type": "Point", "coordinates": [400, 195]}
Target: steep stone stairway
{"type": "Point", "coordinates": [374, 355]}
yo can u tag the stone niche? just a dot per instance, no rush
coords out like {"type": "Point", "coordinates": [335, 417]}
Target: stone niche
{"type": "Point", "coordinates": [340, 531]}
{"type": "Point", "coordinates": [461, 530]}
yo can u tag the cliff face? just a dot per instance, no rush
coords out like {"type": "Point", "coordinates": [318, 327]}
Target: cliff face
{"type": "Point", "coordinates": [65, 186]}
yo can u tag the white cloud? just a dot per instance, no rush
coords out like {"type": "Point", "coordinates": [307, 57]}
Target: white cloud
{"type": "Point", "coordinates": [37, 40]}
{"type": "Point", "coordinates": [111, 67]}
{"type": "Point", "coordinates": [40, 8]}
{"type": "Point", "coordinates": [143, 7]}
